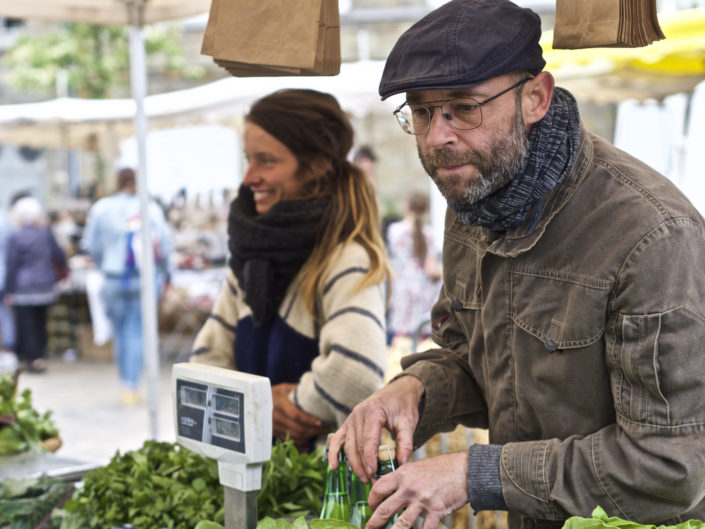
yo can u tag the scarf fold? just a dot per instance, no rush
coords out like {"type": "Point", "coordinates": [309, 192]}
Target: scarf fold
{"type": "Point", "coordinates": [268, 250]}
{"type": "Point", "coordinates": [553, 146]}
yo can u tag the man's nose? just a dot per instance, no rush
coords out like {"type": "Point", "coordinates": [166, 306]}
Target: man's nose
{"type": "Point", "coordinates": [440, 131]}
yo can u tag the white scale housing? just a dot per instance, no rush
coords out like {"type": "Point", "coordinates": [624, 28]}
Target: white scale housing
{"type": "Point", "coordinates": [226, 415]}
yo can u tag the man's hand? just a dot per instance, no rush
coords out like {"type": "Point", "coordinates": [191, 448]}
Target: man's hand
{"type": "Point", "coordinates": [287, 418]}
{"type": "Point", "coordinates": [395, 406]}
{"type": "Point", "coordinates": [430, 488]}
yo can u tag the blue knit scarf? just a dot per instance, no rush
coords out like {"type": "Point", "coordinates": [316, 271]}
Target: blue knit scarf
{"type": "Point", "coordinates": [553, 146]}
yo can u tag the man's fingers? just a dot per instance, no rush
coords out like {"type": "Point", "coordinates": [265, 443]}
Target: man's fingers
{"type": "Point", "coordinates": [404, 444]}
{"type": "Point", "coordinates": [369, 444]}
{"type": "Point", "coordinates": [381, 490]}
{"type": "Point", "coordinates": [431, 521]}
{"type": "Point", "coordinates": [406, 519]}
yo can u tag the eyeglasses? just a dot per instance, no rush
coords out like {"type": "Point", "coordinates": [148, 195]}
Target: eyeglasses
{"type": "Point", "coordinates": [462, 114]}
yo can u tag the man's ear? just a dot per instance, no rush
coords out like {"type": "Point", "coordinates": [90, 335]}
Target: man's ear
{"type": "Point", "coordinates": [536, 97]}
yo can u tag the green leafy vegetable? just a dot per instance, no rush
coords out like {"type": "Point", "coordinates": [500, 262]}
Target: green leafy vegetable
{"type": "Point", "coordinates": [300, 523]}
{"type": "Point", "coordinates": [292, 482]}
{"type": "Point", "coordinates": [25, 503]}
{"type": "Point", "coordinates": [207, 524]}
{"type": "Point", "coordinates": [600, 520]}
{"type": "Point", "coordinates": [166, 486]}
{"type": "Point", "coordinates": [150, 488]}
{"type": "Point", "coordinates": [22, 428]}
{"type": "Point", "coordinates": [331, 524]}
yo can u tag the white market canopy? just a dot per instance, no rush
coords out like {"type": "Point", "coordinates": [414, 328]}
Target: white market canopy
{"type": "Point", "coordinates": [89, 123]}
{"type": "Point", "coordinates": [675, 64]}
{"type": "Point", "coordinates": [101, 11]}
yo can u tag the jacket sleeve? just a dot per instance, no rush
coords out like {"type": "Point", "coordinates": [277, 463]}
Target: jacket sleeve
{"type": "Point", "coordinates": [648, 465]}
{"type": "Point", "coordinates": [215, 342]}
{"type": "Point", "coordinates": [353, 356]}
{"type": "Point", "coordinates": [90, 242]}
{"type": "Point", "coordinates": [11, 265]}
{"type": "Point", "coordinates": [164, 258]}
{"type": "Point", "coordinates": [451, 394]}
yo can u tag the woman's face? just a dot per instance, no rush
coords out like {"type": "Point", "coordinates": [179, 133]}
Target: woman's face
{"type": "Point", "coordinates": [273, 170]}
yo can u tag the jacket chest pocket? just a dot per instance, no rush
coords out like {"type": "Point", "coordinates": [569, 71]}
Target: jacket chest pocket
{"type": "Point", "coordinates": [563, 311]}
{"type": "Point", "coordinates": [560, 377]}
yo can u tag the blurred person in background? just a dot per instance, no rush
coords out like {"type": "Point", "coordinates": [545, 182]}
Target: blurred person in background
{"type": "Point", "coordinates": [32, 261]}
{"type": "Point", "coordinates": [66, 230]}
{"type": "Point", "coordinates": [304, 301]}
{"type": "Point", "coordinates": [415, 267]}
{"type": "Point", "coordinates": [366, 159]}
{"type": "Point", "coordinates": [8, 360]}
{"type": "Point", "coordinates": [112, 237]}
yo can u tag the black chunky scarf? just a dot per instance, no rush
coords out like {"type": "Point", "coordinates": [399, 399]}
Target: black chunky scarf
{"type": "Point", "coordinates": [268, 250]}
{"type": "Point", "coordinates": [553, 146]}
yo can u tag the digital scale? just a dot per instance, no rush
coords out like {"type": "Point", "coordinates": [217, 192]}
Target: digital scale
{"type": "Point", "coordinates": [226, 415]}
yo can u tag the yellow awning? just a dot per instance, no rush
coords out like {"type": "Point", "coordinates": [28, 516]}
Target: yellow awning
{"type": "Point", "coordinates": [674, 64]}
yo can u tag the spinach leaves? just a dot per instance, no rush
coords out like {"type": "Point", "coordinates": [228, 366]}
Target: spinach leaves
{"type": "Point", "coordinates": [292, 482]}
{"type": "Point", "coordinates": [22, 428]}
{"type": "Point", "coordinates": [161, 485]}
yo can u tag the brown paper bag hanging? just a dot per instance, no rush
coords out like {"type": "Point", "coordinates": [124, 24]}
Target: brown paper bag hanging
{"type": "Point", "coordinates": [267, 32]}
{"type": "Point", "coordinates": [328, 50]}
{"type": "Point", "coordinates": [209, 34]}
{"type": "Point", "coordinates": [256, 59]}
{"type": "Point", "coordinates": [605, 23]}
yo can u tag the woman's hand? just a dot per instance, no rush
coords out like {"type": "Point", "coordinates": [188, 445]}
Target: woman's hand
{"type": "Point", "coordinates": [287, 418]}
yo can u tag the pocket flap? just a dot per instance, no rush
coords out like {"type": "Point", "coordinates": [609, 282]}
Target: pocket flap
{"type": "Point", "coordinates": [563, 311]}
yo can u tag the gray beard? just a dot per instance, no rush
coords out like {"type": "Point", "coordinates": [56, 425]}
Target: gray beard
{"type": "Point", "coordinates": [495, 169]}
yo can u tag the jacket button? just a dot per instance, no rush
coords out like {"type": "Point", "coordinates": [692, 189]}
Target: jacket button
{"type": "Point", "coordinates": [551, 346]}
{"type": "Point", "coordinates": [456, 304]}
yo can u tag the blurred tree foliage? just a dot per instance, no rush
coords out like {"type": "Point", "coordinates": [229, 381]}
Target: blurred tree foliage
{"type": "Point", "coordinates": [94, 59]}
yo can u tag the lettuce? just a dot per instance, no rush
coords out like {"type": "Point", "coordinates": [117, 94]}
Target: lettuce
{"type": "Point", "coordinates": [600, 520]}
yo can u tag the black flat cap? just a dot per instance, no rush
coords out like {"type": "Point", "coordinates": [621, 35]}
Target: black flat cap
{"type": "Point", "coordinates": [463, 43]}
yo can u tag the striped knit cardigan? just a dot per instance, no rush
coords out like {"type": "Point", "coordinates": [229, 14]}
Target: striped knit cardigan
{"type": "Point", "coordinates": [336, 363]}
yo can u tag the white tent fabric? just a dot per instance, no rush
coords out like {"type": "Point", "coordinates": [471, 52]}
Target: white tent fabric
{"type": "Point", "coordinates": [93, 124]}
{"type": "Point", "coordinates": [693, 184]}
{"type": "Point", "coordinates": [101, 11]}
{"type": "Point", "coordinates": [668, 136]}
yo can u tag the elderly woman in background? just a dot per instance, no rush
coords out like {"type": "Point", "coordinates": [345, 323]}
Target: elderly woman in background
{"type": "Point", "coordinates": [33, 257]}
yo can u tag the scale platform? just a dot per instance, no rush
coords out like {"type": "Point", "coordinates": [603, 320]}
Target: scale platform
{"type": "Point", "coordinates": [35, 464]}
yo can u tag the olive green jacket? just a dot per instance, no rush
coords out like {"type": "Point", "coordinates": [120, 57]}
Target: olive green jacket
{"type": "Point", "coordinates": [581, 346]}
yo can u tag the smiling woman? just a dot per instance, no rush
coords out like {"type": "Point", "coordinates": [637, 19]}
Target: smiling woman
{"type": "Point", "coordinates": [304, 302]}
{"type": "Point", "coordinates": [273, 171]}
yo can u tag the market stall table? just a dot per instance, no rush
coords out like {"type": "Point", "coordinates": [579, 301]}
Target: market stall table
{"type": "Point", "coordinates": [35, 464]}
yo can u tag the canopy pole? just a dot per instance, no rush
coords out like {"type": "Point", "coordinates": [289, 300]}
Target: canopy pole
{"type": "Point", "coordinates": [138, 80]}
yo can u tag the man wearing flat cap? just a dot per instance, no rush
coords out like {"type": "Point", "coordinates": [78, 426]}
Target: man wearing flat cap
{"type": "Point", "coordinates": [571, 322]}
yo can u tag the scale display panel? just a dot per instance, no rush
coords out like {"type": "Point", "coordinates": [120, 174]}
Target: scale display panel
{"type": "Point", "coordinates": [211, 415]}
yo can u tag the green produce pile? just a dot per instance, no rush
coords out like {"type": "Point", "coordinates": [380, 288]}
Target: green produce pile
{"type": "Point", "coordinates": [26, 503]}
{"type": "Point", "coordinates": [600, 520]}
{"type": "Point", "coordinates": [22, 428]}
{"type": "Point", "coordinates": [166, 486]}
{"type": "Point", "coordinates": [292, 482]}
{"type": "Point", "coordinates": [300, 523]}
{"type": "Point", "coordinates": [161, 485]}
